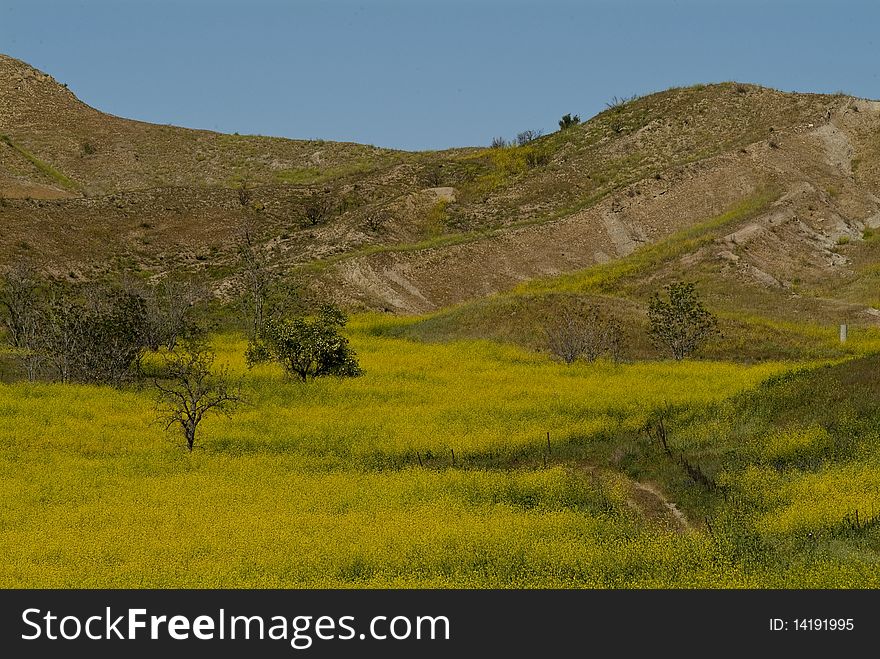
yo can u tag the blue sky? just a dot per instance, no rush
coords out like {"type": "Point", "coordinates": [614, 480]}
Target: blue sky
{"type": "Point", "coordinates": [423, 74]}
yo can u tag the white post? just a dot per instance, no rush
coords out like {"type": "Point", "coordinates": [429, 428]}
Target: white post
{"type": "Point", "coordinates": [843, 333]}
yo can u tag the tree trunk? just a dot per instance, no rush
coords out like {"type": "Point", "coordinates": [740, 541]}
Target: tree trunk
{"type": "Point", "coordinates": [190, 431]}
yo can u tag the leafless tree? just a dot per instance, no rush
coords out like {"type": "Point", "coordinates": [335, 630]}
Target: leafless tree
{"type": "Point", "coordinates": [255, 269]}
{"type": "Point", "coordinates": [527, 136]}
{"type": "Point", "coordinates": [190, 389]}
{"type": "Point", "coordinates": [590, 335]}
{"type": "Point", "coordinates": [170, 305]}
{"type": "Point", "coordinates": [19, 302]}
{"type": "Point", "coordinates": [61, 336]}
{"type": "Point", "coordinates": [23, 316]}
{"type": "Point", "coordinates": [318, 209]}
{"type": "Point", "coordinates": [565, 336]}
{"type": "Point", "coordinates": [244, 194]}
{"type": "Point", "coordinates": [97, 335]}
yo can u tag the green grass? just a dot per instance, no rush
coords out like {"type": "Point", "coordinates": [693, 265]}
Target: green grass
{"type": "Point", "coordinates": [44, 167]}
{"type": "Point", "coordinates": [313, 175]}
{"type": "Point", "coordinates": [798, 457]}
{"type": "Point", "coordinates": [607, 277]}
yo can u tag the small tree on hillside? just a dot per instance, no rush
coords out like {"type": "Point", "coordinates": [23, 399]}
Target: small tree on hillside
{"type": "Point", "coordinates": [680, 323]}
{"type": "Point", "coordinates": [190, 389]}
{"type": "Point", "coordinates": [307, 347]}
{"type": "Point", "coordinates": [244, 194]}
{"type": "Point", "coordinates": [318, 209]}
{"type": "Point", "coordinates": [527, 136]}
{"type": "Point", "coordinates": [569, 120]}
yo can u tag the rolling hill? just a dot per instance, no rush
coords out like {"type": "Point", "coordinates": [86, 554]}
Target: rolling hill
{"type": "Point", "coordinates": [768, 199]}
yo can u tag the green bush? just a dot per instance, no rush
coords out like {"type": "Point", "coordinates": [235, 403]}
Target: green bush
{"type": "Point", "coordinates": [307, 347]}
{"type": "Point", "coordinates": [569, 120]}
{"type": "Point", "coordinates": [680, 323]}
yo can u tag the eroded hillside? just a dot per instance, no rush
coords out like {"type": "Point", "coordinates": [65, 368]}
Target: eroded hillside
{"type": "Point", "coordinates": [769, 198]}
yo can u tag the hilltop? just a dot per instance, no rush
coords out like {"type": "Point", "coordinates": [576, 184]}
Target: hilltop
{"type": "Point", "coordinates": [768, 199]}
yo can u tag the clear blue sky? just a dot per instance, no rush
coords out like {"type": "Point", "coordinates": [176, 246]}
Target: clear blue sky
{"type": "Point", "coordinates": [421, 74]}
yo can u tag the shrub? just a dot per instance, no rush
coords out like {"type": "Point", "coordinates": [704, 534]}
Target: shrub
{"type": "Point", "coordinates": [569, 120]}
{"type": "Point", "coordinates": [527, 136]}
{"type": "Point", "coordinates": [307, 347]}
{"type": "Point", "coordinates": [535, 156]}
{"type": "Point", "coordinates": [375, 220]}
{"type": "Point", "coordinates": [319, 209]}
{"type": "Point", "coordinates": [20, 305]}
{"type": "Point", "coordinates": [100, 340]}
{"type": "Point", "coordinates": [571, 336]}
{"type": "Point", "coordinates": [618, 103]}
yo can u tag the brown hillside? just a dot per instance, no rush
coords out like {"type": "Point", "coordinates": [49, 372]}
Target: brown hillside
{"type": "Point", "coordinates": [791, 180]}
{"type": "Point", "coordinates": [99, 154]}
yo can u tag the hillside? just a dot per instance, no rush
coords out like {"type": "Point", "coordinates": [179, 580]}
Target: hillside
{"type": "Point", "coordinates": [769, 199]}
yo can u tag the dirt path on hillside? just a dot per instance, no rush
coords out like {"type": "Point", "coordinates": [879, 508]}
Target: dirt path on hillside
{"type": "Point", "coordinates": [648, 500]}
{"type": "Point", "coordinates": [651, 502]}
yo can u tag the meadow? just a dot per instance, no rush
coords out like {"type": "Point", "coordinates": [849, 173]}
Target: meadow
{"type": "Point", "coordinates": [353, 482]}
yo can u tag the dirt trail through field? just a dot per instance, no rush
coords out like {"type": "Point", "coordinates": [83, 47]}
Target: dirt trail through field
{"type": "Point", "coordinates": [649, 500]}
{"type": "Point", "coordinates": [654, 505]}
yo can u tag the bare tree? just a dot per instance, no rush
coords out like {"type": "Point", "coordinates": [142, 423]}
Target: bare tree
{"type": "Point", "coordinates": [590, 335]}
{"type": "Point", "coordinates": [244, 194]}
{"type": "Point", "coordinates": [61, 336]}
{"type": "Point", "coordinates": [565, 336]}
{"type": "Point", "coordinates": [527, 136]}
{"type": "Point", "coordinates": [20, 302]}
{"type": "Point", "coordinates": [170, 305]}
{"type": "Point", "coordinates": [318, 209]}
{"type": "Point", "coordinates": [97, 336]}
{"type": "Point", "coordinates": [24, 315]}
{"type": "Point", "coordinates": [256, 271]}
{"type": "Point", "coordinates": [190, 390]}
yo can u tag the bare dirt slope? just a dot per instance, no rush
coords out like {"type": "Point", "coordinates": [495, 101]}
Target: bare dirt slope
{"type": "Point", "coordinates": [820, 203]}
